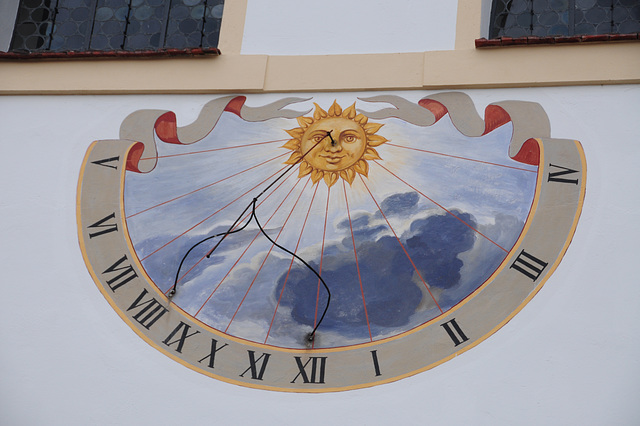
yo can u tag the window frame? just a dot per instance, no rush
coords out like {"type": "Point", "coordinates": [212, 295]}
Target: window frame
{"type": "Point", "coordinates": [95, 42]}
{"type": "Point", "coordinates": [464, 67]}
{"type": "Point", "coordinates": [493, 30]}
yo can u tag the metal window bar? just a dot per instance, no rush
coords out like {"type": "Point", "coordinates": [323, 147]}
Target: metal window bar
{"type": "Point", "coordinates": [74, 25]}
{"type": "Point", "coordinates": [518, 18]}
{"type": "Point", "coordinates": [87, 41]}
{"type": "Point", "coordinates": [163, 34]}
{"type": "Point", "coordinates": [126, 25]}
{"type": "Point", "coordinates": [51, 26]}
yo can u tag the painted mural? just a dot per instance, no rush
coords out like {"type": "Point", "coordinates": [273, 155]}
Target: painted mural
{"type": "Point", "coordinates": [329, 242]}
{"type": "Point", "coordinates": [401, 221]}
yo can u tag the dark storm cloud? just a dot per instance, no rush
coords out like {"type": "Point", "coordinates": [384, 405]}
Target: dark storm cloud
{"type": "Point", "coordinates": [390, 283]}
{"type": "Point", "coordinates": [361, 227]}
{"type": "Point", "coordinates": [400, 204]}
{"type": "Point", "coordinates": [485, 256]}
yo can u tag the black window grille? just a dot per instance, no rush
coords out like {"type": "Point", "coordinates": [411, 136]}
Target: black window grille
{"type": "Point", "coordinates": [113, 25]}
{"type": "Point", "coordinates": [543, 18]}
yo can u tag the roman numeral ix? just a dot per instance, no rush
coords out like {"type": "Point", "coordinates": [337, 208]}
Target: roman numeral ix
{"type": "Point", "coordinates": [180, 340]}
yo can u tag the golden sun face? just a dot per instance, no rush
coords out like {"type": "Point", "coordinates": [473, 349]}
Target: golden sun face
{"type": "Point", "coordinates": [334, 144]}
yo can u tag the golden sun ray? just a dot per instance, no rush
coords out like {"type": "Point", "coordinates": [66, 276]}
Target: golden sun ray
{"type": "Point", "coordinates": [335, 144]}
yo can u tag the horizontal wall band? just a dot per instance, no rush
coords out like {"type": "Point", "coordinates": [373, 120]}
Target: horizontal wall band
{"type": "Point", "coordinates": [465, 68]}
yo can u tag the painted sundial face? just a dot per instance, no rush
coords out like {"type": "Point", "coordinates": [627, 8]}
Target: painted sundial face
{"type": "Point", "coordinates": [333, 155]}
{"type": "Point", "coordinates": [334, 144]}
{"type": "Point", "coordinates": [386, 237]}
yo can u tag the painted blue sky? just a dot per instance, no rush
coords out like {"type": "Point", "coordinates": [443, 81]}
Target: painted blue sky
{"type": "Point", "coordinates": [414, 258]}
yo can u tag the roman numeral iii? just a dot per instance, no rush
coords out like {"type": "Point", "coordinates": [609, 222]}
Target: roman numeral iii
{"type": "Point", "coordinates": [529, 265]}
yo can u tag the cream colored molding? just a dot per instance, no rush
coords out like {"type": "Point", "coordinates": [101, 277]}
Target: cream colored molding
{"type": "Point", "coordinates": [611, 63]}
{"type": "Point", "coordinates": [504, 67]}
{"type": "Point", "coordinates": [180, 75]}
{"type": "Point", "coordinates": [468, 23]}
{"type": "Point", "coordinates": [464, 67]}
{"type": "Point", "coordinates": [232, 28]}
{"type": "Point", "coordinates": [344, 72]}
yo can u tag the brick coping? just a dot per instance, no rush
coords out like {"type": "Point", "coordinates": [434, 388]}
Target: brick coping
{"type": "Point", "coordinates": [199, 51]}
{"type": "Point", "coordinates": [531, 40]}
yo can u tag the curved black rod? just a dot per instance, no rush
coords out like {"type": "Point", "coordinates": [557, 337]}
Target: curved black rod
{"type": "Point", "coordinates": [223, 235]}
{"type": "Point", "coordinates": [311, 336]}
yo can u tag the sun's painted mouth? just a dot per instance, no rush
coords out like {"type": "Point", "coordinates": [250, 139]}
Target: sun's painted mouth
{"type": "Point", "coordinates": [332, 159]}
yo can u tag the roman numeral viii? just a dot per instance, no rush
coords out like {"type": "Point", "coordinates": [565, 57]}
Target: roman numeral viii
{"type": "Point", "coordinates": [150, 311]}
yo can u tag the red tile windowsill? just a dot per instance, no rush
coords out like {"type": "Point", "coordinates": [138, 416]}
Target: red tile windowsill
{"type": "Point", "coordinates": [530, 40]}
{"type": "Point", "coordinates": [112, 54]}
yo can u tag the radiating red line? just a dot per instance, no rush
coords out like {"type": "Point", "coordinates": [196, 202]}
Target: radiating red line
{"type": "Point", "coordinates": [304, 224]}
{"type": "Point", "coordinates": [245, 250]}
{"type": "Point", "coordinates": [239, 224]}
{"type": "Point", "coordinates": [324, 233]}
{"type": "Point", "coordinates": [443, 208]}
{"type": "Point", "coordinates": [401, 245]}
{"type": "Point", "coordinates": [364, 302]}
{"type": "Point", "coordinates": [206, 186]}
{"type": "Point", "coordinates": [212, 150]}
{"type": "Point", "coordinates": [460, 158]}
{"type": "Point", "coordinates": [272, 246]}
{"type": "Point", "coordinates": [211, 215]}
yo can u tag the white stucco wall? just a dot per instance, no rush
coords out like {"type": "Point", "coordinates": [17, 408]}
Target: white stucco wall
{"type": "Point", "coordinates": [296, 27]}
{"type": "Point", "coordinates": [569, 357]}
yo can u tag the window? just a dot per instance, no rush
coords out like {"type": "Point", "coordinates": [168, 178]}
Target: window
{"type": "Point", "coordinates": [543, 18]}
{"type": "Point", "coordinates": [116, 25]}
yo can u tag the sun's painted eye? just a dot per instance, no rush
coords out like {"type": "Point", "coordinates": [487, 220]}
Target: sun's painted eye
{"type": "Point", "coordinates": [350, 138]}
{"type": "Point", "coordinates": [318, 138]}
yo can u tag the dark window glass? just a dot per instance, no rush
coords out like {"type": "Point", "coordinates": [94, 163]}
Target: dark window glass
{"type": "Point", "coordinates": [107, 25]}
{"type": "Point", "coordinates": [519, 18]}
